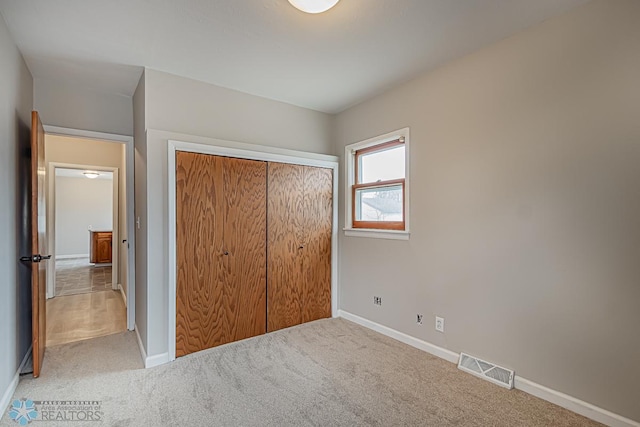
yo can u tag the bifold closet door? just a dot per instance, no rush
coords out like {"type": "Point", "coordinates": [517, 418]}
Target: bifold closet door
{"type": "Point", "coordinates": [199, 226]}
{"type": "Point", "coordinates": [316, 256]}
{"type": "Point", "coordinates": [285, 245]}
{"type": "Point", "coordinates": [245, 240]}
{"type": "Point", "coordinates": [299, 223]}
{"type": "Point", "coordinates": [221, 251]}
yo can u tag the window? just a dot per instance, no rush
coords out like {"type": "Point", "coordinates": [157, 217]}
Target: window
{"type": "Point", "coordinates": [377, 186]}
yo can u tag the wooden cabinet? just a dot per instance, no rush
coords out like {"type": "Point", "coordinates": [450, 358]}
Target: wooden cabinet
{"type": "Point", "coordinates": [235, 279]}
{"type": "Point", "coordinates": [100, 247]}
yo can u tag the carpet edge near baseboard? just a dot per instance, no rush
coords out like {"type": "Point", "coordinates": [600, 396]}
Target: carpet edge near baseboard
{"type": "Point", "coordinates": [563, 400]}
{"type": "Point", "coordinates": [13, 385]}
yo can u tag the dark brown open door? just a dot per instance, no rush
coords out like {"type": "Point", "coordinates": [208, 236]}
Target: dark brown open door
{"type": "Point", "coordinates": [39, 242]}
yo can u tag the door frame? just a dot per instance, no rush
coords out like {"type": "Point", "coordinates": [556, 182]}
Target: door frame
{"type": "Point", "coordinates": [51, 220]}
{"type": "Point", "coordinates": [129, 183]}
{"type": "Point", "coordinates": [250, 152]}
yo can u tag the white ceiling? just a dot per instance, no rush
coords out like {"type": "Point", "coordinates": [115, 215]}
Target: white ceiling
{"type": "Point", "coordinates": [78, 173]}
{"type": "Point", "coordinates": [326, 62]}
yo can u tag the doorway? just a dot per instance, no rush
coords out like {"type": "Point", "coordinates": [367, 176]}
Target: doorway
{"type": "Point", "coordinates": [85, 206]}
{"type": "Point", "coordinates": [91, 281]}
{"type": "Point", "coordinates": [84, 291]}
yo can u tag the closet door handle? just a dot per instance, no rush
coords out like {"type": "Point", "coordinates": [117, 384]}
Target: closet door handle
{"type": "Point", "coordinates": [225, 253]}
{"type": "Point", "coordinates": [301, 247]}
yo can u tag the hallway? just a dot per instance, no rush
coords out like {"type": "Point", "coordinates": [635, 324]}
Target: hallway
{"type": "Point", "coordinates": [79, 317]}
{"type": "Point", "coordinates": [78, 276]}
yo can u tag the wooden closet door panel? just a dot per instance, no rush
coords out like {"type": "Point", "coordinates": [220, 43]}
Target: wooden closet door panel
{"type": "Point", "coordinates": [318, 223]}
{"type": "Point", "coordinates": [245, 239]}
{"type": "Point", "coordinates": [285, 238]}
{"type": "Point", "coordinates": [199, 228]}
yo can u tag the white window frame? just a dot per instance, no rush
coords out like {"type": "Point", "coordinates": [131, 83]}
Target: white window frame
{"type": "Point", "coordinates": [350, 165]}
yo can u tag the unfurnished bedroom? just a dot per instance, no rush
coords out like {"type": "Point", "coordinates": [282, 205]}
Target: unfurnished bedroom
{"type": "Point", "coordinates": [320, 213]}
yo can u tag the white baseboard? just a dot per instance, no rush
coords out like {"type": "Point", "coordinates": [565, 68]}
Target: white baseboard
{"type": "Point", "coordinates": [571, 403]}
{"type": "Point", "coordinates": [568, 402]}
{"type": "Point", "coordinates": [11, 389]}
{"type": "Point", "coordinates": [402, 337]}
{"type": "Point", "coordinates": [72, 256]}
{"type": "Point", "coordinates": [143, 353]}
{"type": "Point", "coordinates": [124, 296]}
{"type": "Point", "coordinates": [156, 360]}
{"type": "Point", "coordinates": [150, 361]}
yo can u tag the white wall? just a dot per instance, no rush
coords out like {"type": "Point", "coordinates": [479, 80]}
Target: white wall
{"type": "Point", "coordinates": [186, 106]}
{"type": "Point", "coordinates": [82, 151]}
{"type": "Point", "coordinates": [525, 206]}
{"type": "Point", "coordinates": [176, 108]}
{"type": "Point", "coordinates": [76, 107]}
{"type": "Point", "coordinates": [16, 87]}
{"type": "Point", "coordinates": [81, 203]}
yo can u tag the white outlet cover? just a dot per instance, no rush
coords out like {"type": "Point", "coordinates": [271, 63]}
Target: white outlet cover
{"type": "Point", "coordinates": [439, 324]}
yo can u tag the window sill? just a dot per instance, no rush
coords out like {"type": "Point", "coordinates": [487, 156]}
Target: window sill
{"type": "Point", "coordinates": [376, 234]}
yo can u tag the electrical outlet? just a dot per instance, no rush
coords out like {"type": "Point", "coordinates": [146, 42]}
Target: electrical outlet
{"type": "Point", "coordinates": [419, 319]}
{"type": "Point", "coordinates": [377, 300]}
{"type": "Point", "coordinates": [440, 324]}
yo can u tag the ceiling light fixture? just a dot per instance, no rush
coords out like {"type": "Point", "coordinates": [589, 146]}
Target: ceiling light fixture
{"type": "Point", "coordinates": [91, 174]}
{"type": "Point", "coordinates": [313, 6]}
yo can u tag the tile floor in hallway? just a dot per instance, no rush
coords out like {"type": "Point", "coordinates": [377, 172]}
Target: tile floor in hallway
{"type": "Point", "coordinates": [78, 276]}
{"type": "Point", "coordinates": [85, 306]}
{"type": "Point", "coordinates": [90, 315]}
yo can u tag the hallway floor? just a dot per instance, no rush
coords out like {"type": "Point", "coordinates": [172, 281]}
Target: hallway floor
{"type": "Point", "coordinates": [79, 317]}
{"type": "Point", "coordinates": [78, 276]}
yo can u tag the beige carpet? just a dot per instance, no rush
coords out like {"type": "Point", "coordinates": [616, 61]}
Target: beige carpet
{"type": "Point", "coordinates": [326, 373]}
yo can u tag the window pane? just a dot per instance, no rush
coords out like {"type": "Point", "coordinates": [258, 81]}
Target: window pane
{"type": "Point", "coordinates": [379, 204]}
{"type": "Point", "coordinates": [382, 165]}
